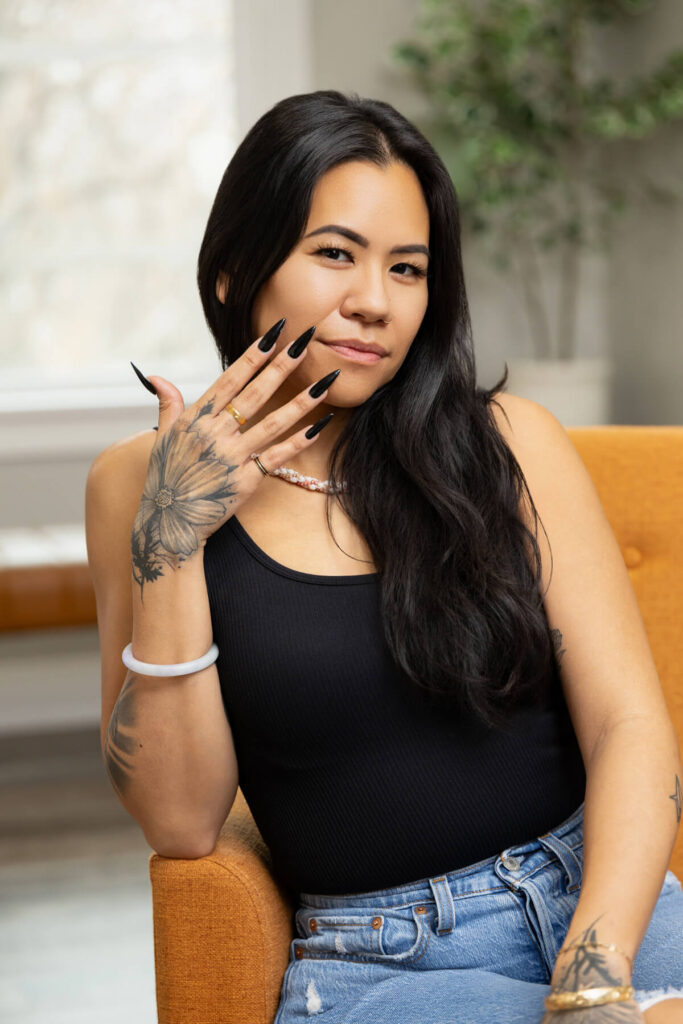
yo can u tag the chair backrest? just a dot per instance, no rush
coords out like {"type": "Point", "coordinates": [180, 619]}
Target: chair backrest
{"type": "Point", "coordinates": [638, 474]}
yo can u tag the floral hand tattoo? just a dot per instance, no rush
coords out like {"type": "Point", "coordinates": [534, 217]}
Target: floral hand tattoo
{"type": "Point", "coordinates": [185, 492]}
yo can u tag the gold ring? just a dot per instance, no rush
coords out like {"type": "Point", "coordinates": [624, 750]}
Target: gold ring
{"type": "Point", "coordinates": [258, 462]}
{"type": "Point", "coordinates": [238, 415]}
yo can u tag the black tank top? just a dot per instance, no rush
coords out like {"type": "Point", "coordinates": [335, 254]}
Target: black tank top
{"type": "Point", "coordinates": [355, 780]}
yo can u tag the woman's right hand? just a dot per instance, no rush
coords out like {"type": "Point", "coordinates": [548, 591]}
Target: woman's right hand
{"type": "Point", "coordinates": [199, 469]}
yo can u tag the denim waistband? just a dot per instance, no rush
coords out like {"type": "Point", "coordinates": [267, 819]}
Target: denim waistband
{"type": "Point", "coordinates": [533, 854]}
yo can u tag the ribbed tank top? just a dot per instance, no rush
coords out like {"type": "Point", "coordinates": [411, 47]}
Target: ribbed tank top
{"type": "Point", "coordinates": [355, 781]}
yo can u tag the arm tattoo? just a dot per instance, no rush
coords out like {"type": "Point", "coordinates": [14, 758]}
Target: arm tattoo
{"type": "Point", "coordinates": [677, 797]}
{"type": "Point", "coordinates": [120, 742]}
{"type": "Point", "coordinates": [584, 968]}
{"type": "Point", "coordinates": [557, 644]}
{"type": "Point", "coordinates": [185, 488]}
{"type": "Point", "coordinates": [589, 968]}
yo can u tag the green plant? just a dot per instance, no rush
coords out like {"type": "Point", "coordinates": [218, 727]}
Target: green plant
{"type": "Point", "coordinates": [526, 132]}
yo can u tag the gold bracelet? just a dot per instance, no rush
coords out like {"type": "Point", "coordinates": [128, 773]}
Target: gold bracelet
{"type": "Point", "coordinates": [589, 997]}
{"type": "Point", "coordinates": [592, 945]}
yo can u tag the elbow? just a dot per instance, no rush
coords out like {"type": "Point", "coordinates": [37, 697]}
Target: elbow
{"type": "Point", "coordinates": [181, 849]}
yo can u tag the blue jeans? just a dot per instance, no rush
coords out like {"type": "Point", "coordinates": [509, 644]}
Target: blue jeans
{"type": "Point", "coordinates": [473, 946]}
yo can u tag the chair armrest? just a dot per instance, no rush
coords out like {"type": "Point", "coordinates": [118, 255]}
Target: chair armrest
{"type": "Point", "coordinates": [222, 930]}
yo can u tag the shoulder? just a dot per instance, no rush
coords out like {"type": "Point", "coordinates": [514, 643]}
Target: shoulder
{"type": "Point", "coordinates": [541, 445]}
{"type": "Point", "coordinates": [524, 424]}
{"type": "Point", "coordinates": [123, 461]}
{"type": "Point", "coordinates": [557, 480]}
{"type": "Point", "coordinates": [114, 485]}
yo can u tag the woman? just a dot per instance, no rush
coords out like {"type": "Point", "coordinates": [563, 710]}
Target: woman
{"type": "Point", "coordinates": [336, 582]}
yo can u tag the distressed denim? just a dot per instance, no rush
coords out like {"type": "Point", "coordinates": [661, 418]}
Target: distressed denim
{"type": "Point", "coordinates": [473, 946]}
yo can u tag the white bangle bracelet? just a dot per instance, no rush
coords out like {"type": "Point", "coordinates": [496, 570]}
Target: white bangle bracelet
{"type": "Point", "coordinates": [181, 668]}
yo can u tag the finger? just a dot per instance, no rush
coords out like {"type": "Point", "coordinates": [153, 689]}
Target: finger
{"type": "Point", "coordinates": [171, 403]}
{"type": "Point", "coordinates": [278, 454]}
{"type": "Point", "coordinates": [272, 426]}
{"type": "Point", "coordinates": [240, 372]}
{"type": "Point", "coordinates": [266, 383]}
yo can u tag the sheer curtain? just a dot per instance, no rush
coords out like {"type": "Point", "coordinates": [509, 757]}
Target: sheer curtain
{"type": "Point", "coordinates": [118, 120]}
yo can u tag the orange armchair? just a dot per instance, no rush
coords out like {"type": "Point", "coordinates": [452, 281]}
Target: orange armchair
{"type": "Point", "coordinates": [223, 927]}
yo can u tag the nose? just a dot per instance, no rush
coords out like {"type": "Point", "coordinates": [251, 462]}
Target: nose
{"type": "Point", "coordinates": [367, 296]}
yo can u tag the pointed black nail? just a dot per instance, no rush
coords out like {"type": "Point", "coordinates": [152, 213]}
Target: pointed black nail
{"type": "Point", "coordinates": [297, 347]}
{"type": "Point", "coordinates": [271, 336]}
{"type": "Point", "coordinates": [148, 384]}
{"type": "Point", "coordinates": [316, 390]}
{"type": "Point", "coordinates": [317, 427]}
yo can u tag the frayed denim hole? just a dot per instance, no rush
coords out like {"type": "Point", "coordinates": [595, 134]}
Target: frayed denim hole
{"type": "Point", "coordinates": [645, 999]}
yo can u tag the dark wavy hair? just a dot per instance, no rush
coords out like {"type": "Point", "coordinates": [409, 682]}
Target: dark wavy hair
{"type": "Point", "coordinates": [433, 487]}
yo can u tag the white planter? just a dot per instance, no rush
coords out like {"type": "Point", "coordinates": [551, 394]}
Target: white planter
{"type": "Point", "coordinates": [577, 391]}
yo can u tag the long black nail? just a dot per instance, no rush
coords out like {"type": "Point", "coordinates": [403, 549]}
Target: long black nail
{"type": "Point", "coordinates": [148, 384]}
{"type": "Point", "coordinates": [316, 390]}
{"type": "Point", "coordinates": [317, 427]}
{"type": "Point", "coordinates": [271, 336]}
{"type": "Point", "coordinates": [297, 347]}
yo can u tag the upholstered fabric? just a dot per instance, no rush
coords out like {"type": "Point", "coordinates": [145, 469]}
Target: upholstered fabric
{"type": "Point", "coordinates": [221, 930]}
{"type": "Point", "coordinates": [222, 927]}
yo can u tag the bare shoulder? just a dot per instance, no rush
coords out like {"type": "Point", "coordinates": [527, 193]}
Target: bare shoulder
{"type": "Point", "coordinates": [114, 486]}
{"type": "Point", "coordinates": [545, 453]}
{"type": "Point", "coordinates": [523, 423]}
{"type": "Point", "coordinates": [130, 453]}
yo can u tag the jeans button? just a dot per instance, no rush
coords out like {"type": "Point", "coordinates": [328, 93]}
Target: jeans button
{"type": "Point", "coordinates": [511, 863]}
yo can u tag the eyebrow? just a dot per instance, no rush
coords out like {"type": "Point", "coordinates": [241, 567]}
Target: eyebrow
{"type": "Point", "coordinates": [353, 236]}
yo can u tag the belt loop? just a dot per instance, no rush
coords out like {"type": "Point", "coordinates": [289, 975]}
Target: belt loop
{"type": "Point", "coordinates": [567, 858]}
{"type": "Point", "coordinates": [444, 905]}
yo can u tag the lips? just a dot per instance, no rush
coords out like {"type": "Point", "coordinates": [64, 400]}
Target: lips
{"type": "Point", "coordinates": [353, 343]}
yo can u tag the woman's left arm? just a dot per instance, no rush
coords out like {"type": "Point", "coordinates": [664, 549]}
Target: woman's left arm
{"type": "Point", "coordinates": [631, 818]}
{"type": "Point", "coordinates": [627, 739]}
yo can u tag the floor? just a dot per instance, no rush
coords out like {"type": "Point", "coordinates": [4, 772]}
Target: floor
{"type": "Point", "coordinates": [76, 940]}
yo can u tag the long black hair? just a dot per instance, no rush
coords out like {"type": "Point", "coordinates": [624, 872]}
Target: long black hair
{"type": "Point", "coordinates": [431, 484]}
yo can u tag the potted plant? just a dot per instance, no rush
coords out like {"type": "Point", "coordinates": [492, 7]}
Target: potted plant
{"type": "Point", "coordinates": [526, 131]}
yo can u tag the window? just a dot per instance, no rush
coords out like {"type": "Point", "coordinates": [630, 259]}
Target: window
{"type": "Point", "coordinates": [118, 120]}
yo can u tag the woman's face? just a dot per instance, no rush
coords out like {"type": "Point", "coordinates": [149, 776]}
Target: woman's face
{"type": "Point", "coordinates": [358, 274]}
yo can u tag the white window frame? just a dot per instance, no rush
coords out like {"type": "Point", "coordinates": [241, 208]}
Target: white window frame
{"type": "Point", "coordinates": [272, 59]}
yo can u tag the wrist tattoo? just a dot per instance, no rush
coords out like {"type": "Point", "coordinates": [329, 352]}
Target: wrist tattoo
{"type": "Point", "coordinates": [585, 967]}
{"type": "Point", "coordinates": [188, 487]}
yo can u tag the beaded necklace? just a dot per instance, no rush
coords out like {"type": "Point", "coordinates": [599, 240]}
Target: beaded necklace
{"type": "Point", "coordinates": [311, 483]}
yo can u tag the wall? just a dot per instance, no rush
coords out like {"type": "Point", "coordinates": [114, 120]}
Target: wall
{"type": "Point", "coordinates": [51, 679]}
{"type": "Point", "coordinates": [631, 304]}
{"type": "Point", "coordinates": [634, 301]}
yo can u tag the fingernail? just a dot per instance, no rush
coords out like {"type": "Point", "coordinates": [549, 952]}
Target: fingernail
{"type": "Point", "coordinates": [148, 384]}
{"type": "Point", "coordinates": [271, 336]}
{"type": "Point", "coordinates": [316, 390]}
{"type": "Point", "coordinates": [317, 427]}
{"type": "Point", "coordinates": [297, 347]}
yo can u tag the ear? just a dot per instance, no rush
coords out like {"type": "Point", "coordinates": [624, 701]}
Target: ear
{"type": "Point", "coordinates": [222, 282]}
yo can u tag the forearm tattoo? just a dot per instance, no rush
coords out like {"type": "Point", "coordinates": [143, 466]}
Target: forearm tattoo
{"type": "Point", "coordinates": [677, 797]}
{"type": "Point", "coordinates": [591, 968]}
{"type": "Point", "coordinates": [556, 637]}
{"type": "Point", "coordinates": [120, 742]}
{"type": "Point", "coordinates": [185, 491]}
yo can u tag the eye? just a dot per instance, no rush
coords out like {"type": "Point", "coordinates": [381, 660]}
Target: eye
{"type": "Point", "coordinates": [415, 270]}
{"type": "Point", "coordinates": [325, 251]}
